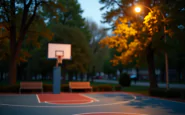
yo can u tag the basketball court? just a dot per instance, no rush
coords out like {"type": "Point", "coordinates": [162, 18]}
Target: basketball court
{"type": "Point", "coordinates": [58, 103]}
{"type": "Point", "coordinates": [87, 104]}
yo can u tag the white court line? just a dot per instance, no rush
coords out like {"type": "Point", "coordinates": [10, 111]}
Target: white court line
{"type": "Point", "coordinates": [110, 112]}
{"type": "Point", "coordinates": [67, 100]}
{"type": "Point", "coordinates": [70, 103]}
{"type": "Point", "coordinates": [95, 105]}
{"type": "Point", "coordinates": [38, 98]}
{"type": "Point", "coordinates": [158, 98]}
{"type": "Point", "coordinates": [89, 97]}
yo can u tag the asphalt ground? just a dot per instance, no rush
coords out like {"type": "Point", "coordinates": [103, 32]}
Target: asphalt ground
{"type": "Point", "coordinates": [113, 103]}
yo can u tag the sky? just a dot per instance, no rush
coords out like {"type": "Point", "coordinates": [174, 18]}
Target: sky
{"type": "Point", "coordinates": [92, 10]}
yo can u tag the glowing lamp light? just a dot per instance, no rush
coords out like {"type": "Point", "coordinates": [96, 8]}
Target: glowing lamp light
{"type": "Point", "coordinates": [137, 9]}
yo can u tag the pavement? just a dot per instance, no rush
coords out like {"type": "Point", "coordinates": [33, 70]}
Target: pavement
{"type": "Point", "coordinates": [102, 103]}
{"type": "Point", "coordinates": [162, 85]}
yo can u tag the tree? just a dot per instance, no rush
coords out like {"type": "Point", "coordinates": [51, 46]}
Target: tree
{"type": "Point", "coordinates": [71, 17]}
{"type": "Point", "coordinates": [80, 48]}
{"type": "Point", "coordinates": [72, 30]}
{"type": "Point", "coordinates": [131, 37]}
{"type": "Point", "coordinates": [99, 55]}
{"type": "Point", "coordinates": [26, 12]}
{"type": "Point", "coordinates": [108, 68]}
{"type": "Point", "coordinates": [177, 24]}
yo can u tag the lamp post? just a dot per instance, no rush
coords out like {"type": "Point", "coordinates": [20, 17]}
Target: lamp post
{"type": "Point", "coordinates": [138, 9]}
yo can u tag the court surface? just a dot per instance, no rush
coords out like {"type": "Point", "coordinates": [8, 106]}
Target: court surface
{"type": "Point", "coordinates": [87, 104]}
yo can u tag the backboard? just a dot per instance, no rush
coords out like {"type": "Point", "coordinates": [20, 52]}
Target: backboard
{"type": "Point", "coordinates": [55, 49]}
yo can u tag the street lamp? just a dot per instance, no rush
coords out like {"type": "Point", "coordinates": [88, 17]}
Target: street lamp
{"type": "Point", "coordinates": [138, 9]}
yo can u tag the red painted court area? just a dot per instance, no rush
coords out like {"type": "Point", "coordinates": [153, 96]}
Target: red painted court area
{"type": "Point", "coordinates": [109, 113]}
{"type": "Point", "coordinates": [64, 98]}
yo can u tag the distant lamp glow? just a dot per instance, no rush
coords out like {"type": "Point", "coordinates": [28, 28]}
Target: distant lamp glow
{"type": "Point", "coordinates": [137, 9]}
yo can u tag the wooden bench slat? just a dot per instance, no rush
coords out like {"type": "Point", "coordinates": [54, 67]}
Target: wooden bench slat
{"type": "Point", "coordinates": [80, 85]}
{"type": "Point", "coordinates": [31, 85]}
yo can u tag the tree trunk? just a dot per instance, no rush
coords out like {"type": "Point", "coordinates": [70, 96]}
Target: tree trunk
{"type": "Point", "coordinates": [12, 71]}
{"type": "Point", "coordinates": [63, 75]}
{"type": "Point", "coordinates": [162, 74]}
{"type": "Point", "coordinates": [137, 73]}
{"type": "Point", "coordinates": [19, 72]}
{"type": "Point", "coordinates": [88, 76]}
{"type": "Point", "coordinates": [178, 75]}
{"type": "Point", "coordinates": [179, 71]}
{"type": "Point", "coordinates": [183, 75]}
{"type": "Point", "coordinates": [1, 76]}
{"type": "Point", "coordinates": [151, 66]}
{"type": "Point", "coordinates": [70, 75]}
{"type": "Point", "coordinates": [93, 74]}
{"type": "Point", "coordinates": [81, 76]}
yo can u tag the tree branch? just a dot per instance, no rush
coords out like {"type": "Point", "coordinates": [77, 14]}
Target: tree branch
{"type": "Point", "coordinates": [25, 15]}
{"type": "Point", "coordinates": [24, 2]}
{"type": "Point", "coordinates": [33, 16]}
{"type": "Point", "coordinates": [117, 3]}
{"type": "Point", "coordinates": [6, 11]}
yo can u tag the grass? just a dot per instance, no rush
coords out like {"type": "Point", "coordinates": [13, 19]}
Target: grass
{"type": "Point", "coordinates": [171, 82]}
{"type": "Point", "coordinates": [98, 83]}
{"type": "Point", "coordinates": [134, 89]}
{"type": "Point", "coordinates": [137, 89]}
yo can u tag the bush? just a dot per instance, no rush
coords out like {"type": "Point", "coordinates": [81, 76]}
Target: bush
{"type": "Point", "coordinates": [10, 89]}
{"type": "Point", "coordinates": [124, 80]}
{"type": "Point", "coordinates": [171, 93]}
{"type": "Point", "coordinates": [95, 88]}
{"type": "Point", "coordinates": [65, 87]}
{"type": "Point", "coordinates": [117, 88]}
{"type": "Point", "coordinates": [47, 87]}
{"type": "Point", "coordinates": [105, 87]}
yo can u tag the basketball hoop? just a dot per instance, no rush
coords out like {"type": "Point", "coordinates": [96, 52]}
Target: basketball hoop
{"type": "Point", "coordinates": [59, 59]}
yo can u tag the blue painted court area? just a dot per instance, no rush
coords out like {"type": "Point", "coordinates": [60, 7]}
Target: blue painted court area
{"type": "Point", "coordinates": [99, 103]}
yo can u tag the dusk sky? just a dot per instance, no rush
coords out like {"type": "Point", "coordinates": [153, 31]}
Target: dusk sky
{"type": "Point", "coordinates": [92, 10]}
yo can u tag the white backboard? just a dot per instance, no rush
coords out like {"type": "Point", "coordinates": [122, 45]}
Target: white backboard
{"type": "Point", "coordinates": [55, 48]}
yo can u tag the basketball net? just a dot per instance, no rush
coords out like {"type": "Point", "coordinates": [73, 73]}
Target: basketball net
{"type": "Point", "coordinates": [59, 60]}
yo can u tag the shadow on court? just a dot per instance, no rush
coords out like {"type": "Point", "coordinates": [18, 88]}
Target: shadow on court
{"type": "Point", "coordinates": [143, 102]}
{"type": "Point", "coordinates": [169, 106]}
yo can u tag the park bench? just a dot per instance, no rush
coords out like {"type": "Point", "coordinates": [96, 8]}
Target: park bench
{"type": "Point", "coordinates": [31, 85]}
{"type": "Point", "coordinates": [79, 85]}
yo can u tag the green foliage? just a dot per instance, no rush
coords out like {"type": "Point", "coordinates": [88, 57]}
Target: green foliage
{"type": "Point", "coordinates": [117, 88]}
{"type": "Point", "coordinates": [80, 48]}
{"type": "Point", "coordinates": [47, 87]}
{"type": "Point", "coordinates": [95, 88]}
{"type": "Point", "coordinates": [72, 16]}
{"type": "Point", "coordinates": [105, 87]}
{"type": "Point", "coordinates": [65, 87]}
{"type": "Point", "coordinates": [102, 87]}
{"type": "Point", "coordinates": [125, 80]}
{"type": "Point", "coordinates": [108, 68]}
{"type": "Point", "coordinates": [67, 27]}
{"type": "Point", "coordinates": [23, 21]}
{"type": "Point", "coordinates": [10, 89]}
{"type": "Point", "coordinates": [97, 33]}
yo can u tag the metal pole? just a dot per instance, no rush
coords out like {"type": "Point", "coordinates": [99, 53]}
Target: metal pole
{"type": "Point", "coordinates": [166, 61]}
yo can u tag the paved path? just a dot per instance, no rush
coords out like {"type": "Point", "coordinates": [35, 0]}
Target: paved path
{"type": "Point", "coordinates": [163, 85]}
